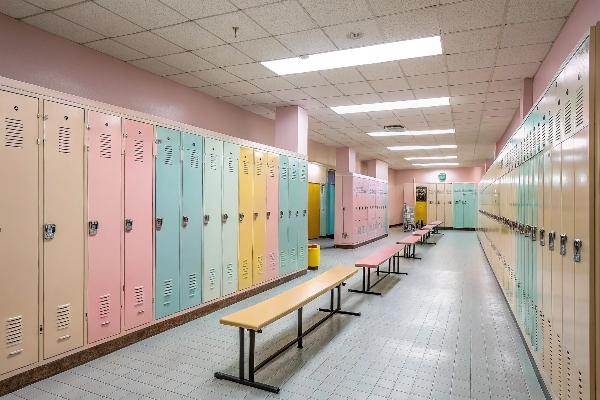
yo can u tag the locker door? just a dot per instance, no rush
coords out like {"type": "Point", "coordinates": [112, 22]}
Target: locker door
{"type": "Point", "coordinates": [457, 207]}
{"type": "Point", "coordinates": [19, 220]}
{"type": "Point", "coordinates": [294, 204]}
{"type": "Point", "coordinates": [230, 236]}
{"type": "Point", "coordinates": [448, 205]}
{"type": "Point", "coordinates": [469, 205]}
{"type": "Point", "coordinates": [323, 210]}
{"type": "Point", "coordinates": [330, 209]}
{"type": "Point", "coordinates": [190, 271]}
{"type": "Point", "coordinates": [245, 218]}
{"type": "Point", "coordinates": [104, 244]}
{"type": "Point", "coordinates": [431, 202]}
{"type": "Point", "coordinates": [272, 243]}
{"type": "Point", "coordinates": [557, 292]}
{"type": "Point", "coordinates": [212, 268]}
{"type": "Point", "coordinates": [259, 217]}
{"type": "Point", "coordinates": [139, 163]}
{"type": "Point", "coordinates": [303, 216]}
{"type": "Point", "coordinates": [314, 212]}
{"type": "Point", "coordinates": [168, 222]}
{"type": "Point", "coordinates": [283, 216]}
{"type": "Point", "coordinates": [441, 207]}
{"type": "Point", "coordinates": [64, 207]}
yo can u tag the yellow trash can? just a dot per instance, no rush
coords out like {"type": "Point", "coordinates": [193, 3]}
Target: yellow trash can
{"type": "Point", "coordinates": [314, 256]}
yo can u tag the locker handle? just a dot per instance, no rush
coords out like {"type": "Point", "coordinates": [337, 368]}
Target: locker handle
{"type": "Point", "coordinates": [128, 225]}
{"type": "Point", "coordinates": [12, 353]}
{"type": "Point", "coordinates": [533, 233]}
{"type": "Point", "coordinates": [93, 227]}
{"type": "Point", "coordinates": [225, 218]}
{"type": "Point", "coordinates": [268, 214]}
{"type": "Point", "coordinates": [563, 244]}
{"type": "Point", "coordinates": [206, 219]}
{"type": "Point", "coordinates": [49, 231]}
{"type": "Point", "coordinates": [141, 311]}
{"type": "Point", "coordinates": [450, 202]}
{"type": "Point", "coordinates": [64, 337]}
{"type": "Point", "coordinates": [551, 237]}
{"type": "Point", "coordinates": [255, 216]}
{"type": "Point", "coordinates": [241, 217]}
{"type": "Point", "coordinates": [105, 323]}
{"type": "Point", "coordinates": [184, 221]}
{"type": "Point", "coordinates": [577, 250]}
{"type": "Point", "coordinates": [159, 222]}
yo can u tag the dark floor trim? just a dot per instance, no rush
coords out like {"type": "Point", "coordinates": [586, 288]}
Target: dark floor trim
{"type": "Point", "coordinates": [354, 246]}
{"type": "Point", "coordinates": [52, 368]}
{"type": "Point", "coordinates": [538, 374]}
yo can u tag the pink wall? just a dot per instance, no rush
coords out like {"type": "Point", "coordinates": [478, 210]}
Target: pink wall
{"type": "Point", "coordinates": [394, 206]}
{"type": "Point", "coordinates": [41, 58]}
{"type": "Point", "coordinates": [323, 154]}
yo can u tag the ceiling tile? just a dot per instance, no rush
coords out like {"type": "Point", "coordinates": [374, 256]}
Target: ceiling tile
{"type": "Point", "coordinates": [149, 43]}
{"type": "Point", "coordinates": [342, 75]}
{"type": "Point", "coordinates": [531, 32]}
{"type": "Point", "coordinates": [499, 113]}
{"type": "Point", "coordinates": [115, 49]}
{"type": "Point", "coordinates": [154, 15]}
{"type": "Point", "coordinates": [264, 98]}
{"type": "Point", "coordinates": [390, 85]}
{"type": "Point", "coordinates": [237, 100]}
{"type": "Point", "coordinates": [467, 115]}
{"type": "Point", "coordinates": [251, 3]}
{"type": "Point", "coordinates": [355, 88]}
{"type": "Point", "coordinates": [428, 81]}
{"type": "Point", "coordinates": [318, 92]}
{"type": "Point", "coordinates": [264, 49]}
{"type": "Point", "coordinates": [470, 76]}
{"type": "Point", "coordinates": [515, 71]}
{"type": "Point", "coordinates": [59, 26]}
{"type": "Point", "coordinates": [250, 71]}
{"type": "Point", "coordinates": [98, 19]}
{"type": "Point", "coordinates": [221, 26]}
{"type": "Point", "coordinates": [471, 60]}
{"type": "Point", "coordinates": [283, 17]}
{"type": "Point", "coordinates": [499, 105]}
{"type": "Point", "coordinates": [188, 80]}
{"type": "Point", "coordinates": [397, 96]}
{"type": "Point", "coordinates": [306, 104]}
{"type": "Point", "coordinates": [224, 56]}
{"type": "Point", "coordinates": [386, 7]}
{"type": "Point", "coordinates": [357, 116]}
{"type": "Point", "coordinates": [333, 12]}
{"type": "Point", "coordinates": [18, 9]}
{"type": "Point", "coordinates": [309, 79]}
{"type": "Point", "coordinates": [52, 4]}
{"type": "Point", "coordinates": [155, 66]}
{"type": "Point", "coordinates": [471, 40]}
{"type": "Point", "coordinates": [467, 107]}
{"type": "Point", "coordinates": [199, 9]}
{"type": "Point", "coordinates": [290, 94]}
{"type": "Point", "coordinates": [468, 99]}
{"type": "Point", "coordinates": [471, 88]}
{"type": "Point", "coordinates": [522, 54]}
{"type": "Point", "coordinates": [471, 15]}
{"type": "Point", "coordinates": [216, 76]}
{"type": "Point", "coordinates": [321, 111]}
{"type": "Point", "coordinates": [502, 86]}
{"type": "Point", "coordinates": [271, 84]}
{"type": "Point", "coordinates": [368, 98]}
{"type": "Point", "coordinates": [423, 65]}
{"type": "Point", "coordinates": [502, 96]}
{"type": "Point", "coordinates": [384, 70]}
{"type": "Point", "coordinates": [258, 109]}
{"type": "Point", "coordinates": [410, 25]}
{"type": "Point", "coordinates": [186, 62]}
{"type": "Point", "coordinates": [369, 28]}
{"type": "Point", "coordinates": [307, 42]}
{"type": "Point", "coordinates": [240, 87]}
{"type": "Point", "coordinates": [336, 101]}
{"type": "Point", "coordinates": [189, 35]}
{"type": "Point", "coordinates": [535, 10]}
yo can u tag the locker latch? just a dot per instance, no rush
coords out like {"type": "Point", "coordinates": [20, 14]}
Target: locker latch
{"type": "Point", "coordinates": [533, 233]}
{"type": "Point", "coordinates": [49, 231]}
{"type": "Point", "coordinates": [268, 214]}
{"type": "Point", "coordinates": [304, 213]}
{"type": "Point", "coordinates": [225, 218]}
{"type": "Point", "coordinates": [128, 225]}
{"type": "Point", "coordinates": [296, 213]}
{"type": "Point", "coordinates": [577, 250]}
{"type": "Point", "coordinates": [551, 237]}
{"type": "Point", "coordinates": [206, 219]}
{"type": "Point", "coordinates": [280, 214]}
{"type": "Point", "coordinates": [184, 220]}
{"type": "Point", "coordinates": [290, 211]}
{"type": "Point", "coordinates": [241, 217]}
{"type": "Point", "coordinates": [255, 216]}
{"type": "Point", "coordinates": [93, 227]}
{"type": "Point", "coordinates": [563, 244]}
{"type": "Point", "coordinates": [159, 222]}
{"type": "Point", "coordinates": [526, 230]}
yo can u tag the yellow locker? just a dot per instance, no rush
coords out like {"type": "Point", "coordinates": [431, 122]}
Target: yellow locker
{"type": "Point", "coordinates": [259, 217]}
{"type": "Point", "coordinates": [420, 203]}
{"type": "Point", "coordinates": [245, 218]}
{"type": "Point", "coordinates": [314, 210]}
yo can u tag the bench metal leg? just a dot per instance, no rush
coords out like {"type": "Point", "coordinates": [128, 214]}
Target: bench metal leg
{"type": "Point", "coordinates": [300, 327]}
{"type": "Point", "coordinates": [366, 284]}
{"type": "Point", "coordinates": [241, 366]}
{"type": "Point", "coordinates": [338, 309]}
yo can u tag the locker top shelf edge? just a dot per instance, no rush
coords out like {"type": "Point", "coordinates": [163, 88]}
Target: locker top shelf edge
{"type": "Point", "coordinates": [355, 175]}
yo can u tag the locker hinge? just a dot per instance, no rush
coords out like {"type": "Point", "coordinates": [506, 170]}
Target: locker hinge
{"type": "Point", "coordinates": [123, 287]}
{"type": "Point", "coordinates": [123, 152]}
{"type": "Point", "coordinates": [86, 318]}
{"type": "Point", "coordinates": [87, 147]}
{"type": "Point", "coordinates": [45, 117]}
{"type": "Point", "coordinates": [39, 141]}
{"type": "Point", "coordinates": [88, 127]}
{"type": "Point", "coordinates": [41, 329]}
{"type": "Point", "coordinates": [39, 115]}
{"type": "Point", "coordinates": [124, 134]}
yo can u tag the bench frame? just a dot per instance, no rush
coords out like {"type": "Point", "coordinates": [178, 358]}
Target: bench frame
{"type": "Point", "coordinates": [331, 311]}
{"type": "Point", "coordinates": [393, 269]}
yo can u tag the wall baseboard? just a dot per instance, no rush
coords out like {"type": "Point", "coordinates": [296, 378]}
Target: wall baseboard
{"type": "Point", "coordinates": [354, 246]}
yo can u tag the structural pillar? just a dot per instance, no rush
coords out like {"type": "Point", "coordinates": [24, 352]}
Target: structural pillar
{"type": "Point", "coordinates": [291, 129]}
{"type": "Point", "coordinates": [377, 169]}
{"type": "Point", "coordinates": [345, 160]}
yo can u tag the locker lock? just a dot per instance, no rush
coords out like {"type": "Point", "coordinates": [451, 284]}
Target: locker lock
{"type": "Point", "coordinates": [290, 211]}
{"type": "Point", "coordinates": [280, 214]}
{"type": "Point", "coordinates": [159, 222]}
{"type": "Point", "coordinates": [577, 250]}
{"type": "Point", "coordinates": [268, 214]}
{"type": "Point", "coordinates": [206, 219]}
{"type": "Point", "coordinates": [49, 231]}
{"type": "Point", "coordinates": [255, 216]}
{"type": "Point", "coordinates": [449, 201]}
{"type": "Point", "coordinates": [241, 217]}
{"type": "Point", "coordinates": [296, 213]}
{"type": "Point", "coordinates": [184, 221]}
{"type": "Point", "coordinates": [225, 218]}
{"type": "Point", "coordinates": [551, 237]}
{"type": "Point", "coordinates": [542, 238]}
{"type": "Point", "coordinates": [304, 213]}
{"type": "Point", "coordinates": [128, 225]}
{"type": "Point", "coordinates": [93, 227]}
{"type": "Point", "coordinates": [563, 244]}
{"type": "Point", "coordinates": [527, 230]}
{"type": "Point", "coordinates": [533, 233]}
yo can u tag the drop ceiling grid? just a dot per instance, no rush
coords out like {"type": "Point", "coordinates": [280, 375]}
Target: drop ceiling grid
{"type": "Point", "coordinates": [489, 46]}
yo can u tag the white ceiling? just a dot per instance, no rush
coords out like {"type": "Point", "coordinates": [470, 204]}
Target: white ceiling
{"type": "Point", "coordinates": [489, 46]}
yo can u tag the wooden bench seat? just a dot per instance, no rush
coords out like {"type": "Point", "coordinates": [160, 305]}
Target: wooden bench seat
{"type": "Point", "coordinates": [258, 316]}
{"type": "Point", "coordinates": [390, 254]}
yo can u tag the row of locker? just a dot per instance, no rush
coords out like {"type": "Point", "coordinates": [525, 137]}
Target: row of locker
{"type": "Point", "coordinates": [320, 209]}
{"type": "Point", "coordinates": [453, 203]}
{"type": "Point", "coordinates": [536, 231]}
{"type": "Point", "coordinates": [172, 219]}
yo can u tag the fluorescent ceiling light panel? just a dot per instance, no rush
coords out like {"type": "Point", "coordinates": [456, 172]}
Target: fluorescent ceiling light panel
{"type": "Point", "coordinates": [430, 158]}
{"type": "Point", "coordinates": [440, 146]}
{"type": "Point", "coordinates": [412, 133]}
{"type": "Point", "coordinates": [393, 105]}
{"type": "Point", "coordinates": [359, 56]}
{"type": "Point", "coordinates": [434, 164]}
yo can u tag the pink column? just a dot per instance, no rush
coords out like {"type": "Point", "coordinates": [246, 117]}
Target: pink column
{"type": "Point", "coordinates": [291, 129]}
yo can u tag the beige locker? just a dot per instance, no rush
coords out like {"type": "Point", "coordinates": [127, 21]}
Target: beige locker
{"type": "Point", "coordinates": [440, 203]}
{"type": "Point", "coordinates": [553, 246]}
{"type": "Point", "coordinates": [448, 205]}
{"type": "Point", "coordinates": [19, 230]}
{"type": "Point", "coordinates": [64, 219]}
{"type": "Point", "coordinates": [431, 203]}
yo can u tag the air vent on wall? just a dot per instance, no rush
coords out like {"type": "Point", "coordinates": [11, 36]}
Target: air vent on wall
{"type": "Point", "coordinates": [394, 128]}
{"type": "Point", "coordinates": [193, 282]}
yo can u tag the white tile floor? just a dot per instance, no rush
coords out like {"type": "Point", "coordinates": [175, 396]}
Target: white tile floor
{"type": "Point", "coordinates": [442, 332]}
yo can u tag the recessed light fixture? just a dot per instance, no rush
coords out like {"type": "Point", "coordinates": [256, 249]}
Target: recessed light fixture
{"type": "Point", "coordinates": [412, 133]}
{"type": "Point", "coordinates": [430, 158]}
{"type": "Point", "coordinates": [393, 105]}
{"type": "Point", "coordinates": [354, 35]}
{"type": "Point", "coordinates": [439, 146]}
{"type": "Point", "coordinates": [359, 56]}
{"type": "Point", "coordinates": [434, 164]}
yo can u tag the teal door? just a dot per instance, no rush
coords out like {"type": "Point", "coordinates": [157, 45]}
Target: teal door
{"type": "Point", "coordinates": [457, 205]}
{"type": "Point", "coordinates": [231, 158]}
{"type": "Point", "coordinates": [303, 214]}
{"type": "Point", "coordinates": [191, 221]}
{"type": "Point", "coordinates": [469, 205]}
{"type": "Point", "coordinates": [323, 210]}
{"type": "Point", "coordinates": [294, 213]}
{"type": "Point", "coordinates": [284, 218]}
{"type": "Point", "coordinates": [167, 204]}
{"type": "Point", "coordinates": [330, 208]}
{"type": "Point", "coordinates": [212, 246]}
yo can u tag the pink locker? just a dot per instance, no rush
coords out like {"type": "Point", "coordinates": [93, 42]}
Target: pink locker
{"type": "Point", "coordinates": [360, 206]}
{"type": "Point", "coordinates": [351, 222]}
{"type": "Point", "coordinates": [138, 144]}
{"type": "Point", "coordinates": [104, 230]}
{"type": "Point", "coordinates": [272, 233]}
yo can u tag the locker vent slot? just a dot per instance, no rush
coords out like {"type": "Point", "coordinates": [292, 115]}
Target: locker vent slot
{"type": "Point", "coordinates": [292, 255]}
{"type": "Point", "coordinates": [272, 261]}
{"type": "Point", "coordinates": [284, 173]}
{"type": "Point", "coordinates": [194, 159]}
{"type": "Point", "coordinates": [301, 252]}
{"type": "Point", "coordinates": [245, 269]}
{"type": "Point", "coordinates": [579, 107]}
{"type": "Point", "coordinates": [229, 271]}
{"type": "Point", "coordinates": [260, 264]}
{"type": "Point", "coordinates": [302, 175]}
{"type": "Point", "coordinates": [282, 259]}
{"type": "Point", "coordinates": [105, 145]}
{"type": "Point", "coordinates": [293, 174]}
{"type": "Point", "coordinates": [193, 284]}
{"type": "Point", "coordinates": [139, 294]}
{"type": "Point", "coordinates": [258, 168]}
{"type": "Point", "coordinates": [13, 137]}
{"type": "Point", "coordinates": [550, 130]}
{"type": "Point", "coordinates": [104, 305]}
{"type": "Point", "coordinates": [14, 330]}
{"type": "Point", "coordinates": [230, 165]}
{"type": "Point", "coordinates": [246, 167]}
{"type": "Point", "coordinates": [168, 155]}
{"type": "Point", "coordinates": [568, 127]}
{"type": "Point", "coordinates": [64, 140]}
{"type": "Point", "coordinates": [272, 171]}
{"type": "Point", "coordinates": [138, 151]}
{"type": "Point", "coordinates": [212, 277]}
{"type": "Point", "coordinates": [543, 137]}
{"type": "Point", "coordinates": [63, 316]}
{"type": "Point", "coordinates": [168, 287]}
{"type": "Point", "coordinates": [557, 126]}
{"type": "Point", "coordinates": [213, 162]}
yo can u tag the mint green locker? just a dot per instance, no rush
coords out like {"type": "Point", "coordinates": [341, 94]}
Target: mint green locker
{"type": "Point", "coordinates": [167, 206]}
{"type": "Point", "coordinates": [457, 206]}
{"type": "Point", "coordinates": [303, 216]}
{"type": "Point", "coordinates": [212, 247]}
{"type": "Point", "coordinates": [469, 205]}
{"type": "Point", "coordinates": [294, 213]}
{"type": "Point", "coordinates": [284, 216]}
{"type": "Point", "coordinates": [190, 270]}
{"type": "Point", "coordinates": [230, 231]}
{"type": "Point", "coordinates": [323, 210]}
{"type": "Point", "coordinates": [330, 208]}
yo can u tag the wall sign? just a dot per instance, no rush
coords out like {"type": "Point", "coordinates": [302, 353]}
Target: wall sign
{"type": "Point", "coordinates": [442, 177]}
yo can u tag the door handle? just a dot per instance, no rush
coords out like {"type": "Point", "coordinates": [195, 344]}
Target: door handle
{"type": "Point", "coordinates": [49, 231]}
{"type": "Point", "coordinates": [577, 250]}
{"type": "Point", "coordinates": [563, 244]}
{"type": "Point", "coordinates": [280, 214]}
{"type": "Point", "coordinates": [551, 237]}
